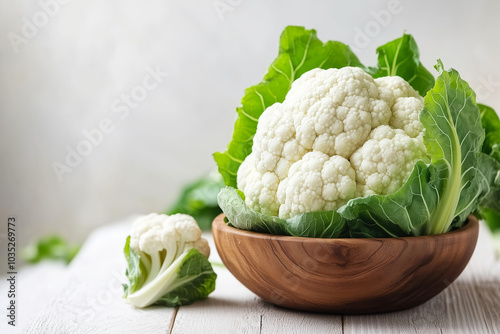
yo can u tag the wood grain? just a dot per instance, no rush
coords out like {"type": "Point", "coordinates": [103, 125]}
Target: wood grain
{"type": "Point", "coordinates": [345, 276]}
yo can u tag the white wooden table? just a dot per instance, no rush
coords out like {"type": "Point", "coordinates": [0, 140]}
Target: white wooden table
{"type": "Point", "coordinates": [88, 300]}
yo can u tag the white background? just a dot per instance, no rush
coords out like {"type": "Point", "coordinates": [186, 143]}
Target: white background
{"type": "Point", "coordinates": [64, 78]}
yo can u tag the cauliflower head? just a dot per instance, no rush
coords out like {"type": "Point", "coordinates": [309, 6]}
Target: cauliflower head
{"type": "Point", "coordinates": [339, 134]}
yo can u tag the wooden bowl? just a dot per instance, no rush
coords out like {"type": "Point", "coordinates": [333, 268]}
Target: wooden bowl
{"type": "Point", "coordinates": [345, 276]}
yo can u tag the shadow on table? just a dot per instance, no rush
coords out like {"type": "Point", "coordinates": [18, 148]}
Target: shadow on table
{"type": "Point", "coordinates": [464, 307]}
{"type": "Point", "coordinates": [214, 302]}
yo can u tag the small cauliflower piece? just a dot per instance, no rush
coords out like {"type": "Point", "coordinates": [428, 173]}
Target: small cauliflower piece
{"type": "Point", "coordinates": [385, 161]}
{"type": "Point", "coordinates": [167, 261]}
{"type": "Point", "coordinates": [308, 150]}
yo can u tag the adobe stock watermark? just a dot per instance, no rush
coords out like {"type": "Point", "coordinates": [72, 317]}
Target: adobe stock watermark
{"type": "Point", "coordinates": [380, 19]}
{"type": "Point", "coordinates": [76, 308]}
{"type": "Point", "coordinates": [121, 106]}
{"type": "Point", "coordinates": [222, 7]}
{"type": "Point", "coordinates": [487, 86]}
{"type": "Point", "coordinates": [30, 27]}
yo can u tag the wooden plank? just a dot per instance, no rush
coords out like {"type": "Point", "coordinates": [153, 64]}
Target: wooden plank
{"type": "Point", "coordinates": [278, 320]}
{"type": "Point", "coordinates": [469, 305]}
{"type": "Point", "coordinates": [232, 308]}
{"type": "Point", "coordinates": [229, 309]}
{"type": "Point", "coordinates": [90, 300]}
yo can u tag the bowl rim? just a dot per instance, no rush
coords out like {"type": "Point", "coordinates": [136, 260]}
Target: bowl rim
{"type": "Point", "coordinates": [219, 224]}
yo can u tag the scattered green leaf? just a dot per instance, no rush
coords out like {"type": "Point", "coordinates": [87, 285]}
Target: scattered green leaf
{"type": "Point", "coordinates": [51, 247]}
{"type": "Point", "coordinates": [199, 199]}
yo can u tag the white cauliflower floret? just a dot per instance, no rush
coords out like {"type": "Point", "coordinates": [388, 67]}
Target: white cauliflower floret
{"type": "Point", "coordinates": [333, 109]}
{"type": "Point", "coordinates": [405, 115]}
{"type": "Point", "coordinates": [316, 182]}
{"type": "Point", "coordinates": [393, 87]}
{"type": "Point", "coordinates": [259, 188]}
{"type": "Point", "coordinates": [381, 113]}
{"type": "Point", "coordinates": [153, 233]}
{"type": "Point", "coordinates": [405, 104]}
{"type": "Point", "coordinates": [186, 226]}
{"type": "Point", "coordinates": [146, 233]}
{"type": "Point", "coordinates": [327, 116]}
{"type": "Point", "coordinates": [385, 161]}
{"type": "Point", "coordinates": [277, 147]}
